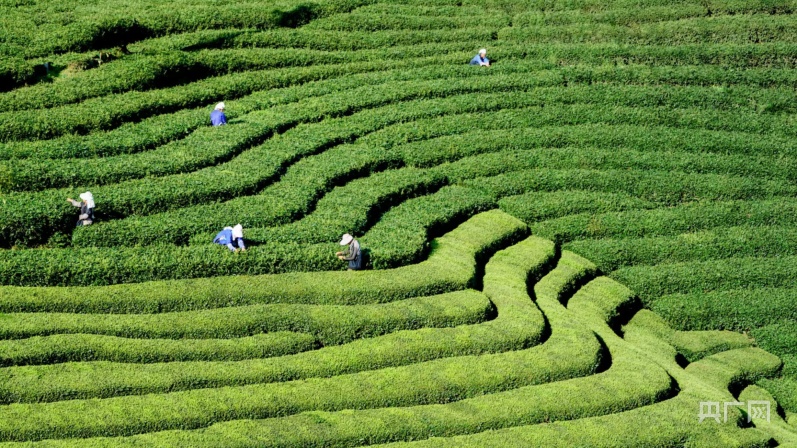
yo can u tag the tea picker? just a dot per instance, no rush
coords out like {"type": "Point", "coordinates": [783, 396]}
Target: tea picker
{"type": "Point", "coordinates": [86, 205]}
{"type": "Point", "coordinates": [352, 253]}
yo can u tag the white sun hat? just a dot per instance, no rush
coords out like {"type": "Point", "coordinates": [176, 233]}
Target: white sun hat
{"type": "Point", "coordinates": [483, 51]}
{"type": "Point", "coordinates": [238, 231]}
{"type": "Point", "coordinates": [89, 198]}
{"type": "Point", "coordinates": [346, 239]}
{"type": "Point", "coordinates": [220, 106]}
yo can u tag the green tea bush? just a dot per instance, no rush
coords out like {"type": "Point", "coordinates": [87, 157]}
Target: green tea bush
{"type": "Point", "coordinates": [377, 22]}
{"type": "Point", "coordinates": [400, 238]}
{"type": "Point", "coordinates": [133, 105]}
{"type": "Point", "coordinates": [375, 139]}
{"type": "Point", "coordinates": [393, 243]}
{"type": "Point", "coordinates": [664, 188]}
{"type": "Point", "coordinates": [656, 426]}
{"type": "Point", "coordinates": [150, 132]}
{"type": "Point", "coordinates": [244, 173]}
{"type": "Point", "coordinates": [430, 381]}
{"type": "Point", "coordinates": [619, 16]}
{"type": "Point", "coordinates": [85, 347]}
{"type": "Point", "coordinates": [452, 265]}
{"type": "Point", "coordinates": [302, 185]}
{"type": "Point", "coordinates": [778, 338]}
{"type": "Point", "coordinates": [737, 29]}
{"type": "Point", "coordinates": [352, 208]}
{"type": "Point", "coordinates": [594, 146]}
{"type": "Point", "coordinates": [328, 324]}
{"type": "Point", "coordinates": [329, 40]}
{"type": "Point", "coordinates": [14, 72]}
{"type": "Point", "coordinates": [692, 345]}
{"type": "Point", "coordinates": [128, 138]}
{"type": "Point", "coordinates": [109, 25]}
{"type": "Point", "coordinates": [673, 221]}
{"type": "Point", "coordinates": [138, 105]}
{"type": "Point", "coordinates": [748, 55]}
{"type": "Point", "coordinates": [732, 309]}
{"type": "Point", "coordinates": [692, 277]}
{"type": "Point", "coordinates": [167, 69]}
{"type": "Point", "coordinates": [655, 139]}
{"type": "Point", "coordinates": [536, 206]}
{"type": "Point", "coordinates": [611, 254]}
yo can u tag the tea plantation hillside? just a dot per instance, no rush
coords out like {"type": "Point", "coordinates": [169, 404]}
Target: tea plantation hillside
{"type": "Point", "coordinates": [591, 242]}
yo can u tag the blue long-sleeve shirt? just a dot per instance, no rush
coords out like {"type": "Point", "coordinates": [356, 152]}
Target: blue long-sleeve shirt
{"type": "Point", "coordinates": [478, 60]}
{"type": "Point", "coordinates": [217, 118]}
{"type": "Point", "coordinates": [224, 238]}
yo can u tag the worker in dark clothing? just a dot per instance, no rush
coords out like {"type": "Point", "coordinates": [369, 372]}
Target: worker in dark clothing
{"type": "Point", "coordinates": [352, 253]}
{"type": "Point", "coordinates": [86, 205]}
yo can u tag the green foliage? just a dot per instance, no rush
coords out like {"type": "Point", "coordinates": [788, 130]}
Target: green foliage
{"type": "Point", "coordinates": [598, 146]}
{"type": "Point", "coordinates": [655, 139]}
{"type": "Point", "coordinates": [115, 23]}
{"type": "Point", "coordinates": [693, 345]}
{"type": "Point", "coordinates": [452, 265]}
{"type": "Point", "coordinates": [247, 172]}
{"type": "Point", "coordinates": [704, 276]}
{"type": "Point", "coordinates": [377, 22]}
{"type": "Point", "coordinates": [86, 347]}
{"type": "Point", "coordinates": [439, 380]}
{"type": "Point", "coordinates": [611, 254]}
{"type": "Point", "coordinates": [734, 309]}
{"type": "Point", "coordinates": [672, 221]}
{"type": "Point", "coordinates": [536, 206]}
{"type": "Point", "coordinates": [329, 325]}
{"type": "Point", "coordinates": [736, 29]}
{"type": "Point", "coordinates": [352, 208]}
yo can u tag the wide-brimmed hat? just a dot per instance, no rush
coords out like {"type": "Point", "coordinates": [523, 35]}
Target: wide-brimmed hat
{"type": "Point", "coordinates": [346, 239]}
{"type": "Point", "coordinates": [220, 106]}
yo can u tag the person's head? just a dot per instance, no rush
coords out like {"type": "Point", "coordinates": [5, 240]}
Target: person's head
{"type": "Point", "coordinates": [483, 52]}
{"type": "Point", "coordinates": [220, 106]}
{"type": "Point", "coordinates": [87, 199]}
{"type": "Point", "coordinates": [238, 231]}
{"type": "Point", "coordinates": [346, 240]}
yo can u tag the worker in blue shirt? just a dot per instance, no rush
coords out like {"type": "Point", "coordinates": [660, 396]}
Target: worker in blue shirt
{"type": "Point", "coordinates": [481, 59]}
{"type": "Point", "coordinates": [217, 117]}
{"type": "Point", "coordinates": [231, 237]}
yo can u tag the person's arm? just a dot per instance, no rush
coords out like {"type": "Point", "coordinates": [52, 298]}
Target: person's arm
{"type": "Point", "coordinates": [230, 246]}
{"type": "Point", "coordinates": [74, 202]}
{"type": "Point", "coordinates": [223, 118]}
{"type": "Point", "coordinates": [352, 252]}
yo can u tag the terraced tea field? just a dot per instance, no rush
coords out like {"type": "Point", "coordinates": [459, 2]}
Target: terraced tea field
{"type": "Point", "coordinates": [583, 244]}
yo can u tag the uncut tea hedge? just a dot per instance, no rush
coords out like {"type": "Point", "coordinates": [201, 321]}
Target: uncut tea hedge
{"type": "Point", "coordinates": [576, 246]}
